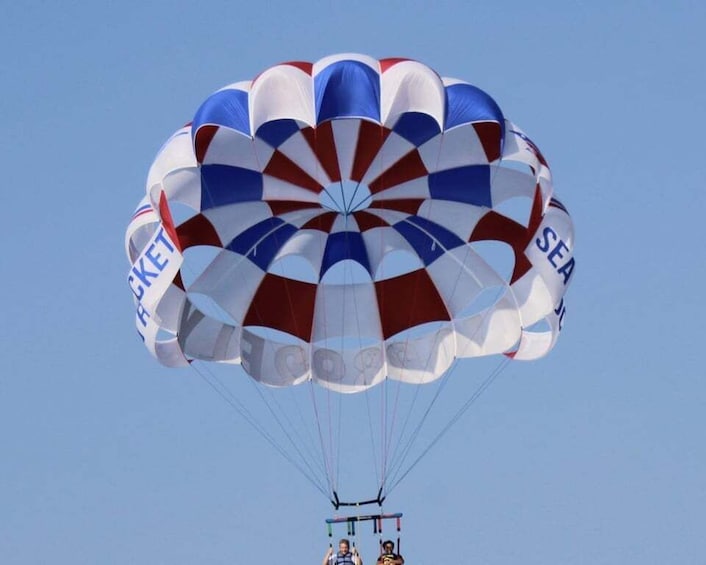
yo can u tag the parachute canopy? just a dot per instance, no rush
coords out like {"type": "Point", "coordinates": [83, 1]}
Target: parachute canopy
{"type": "Point", "coordinates": [346, 222]}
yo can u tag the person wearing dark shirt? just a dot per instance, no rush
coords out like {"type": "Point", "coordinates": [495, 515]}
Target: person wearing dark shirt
{"type": "Point", "coordinates": [388, 555]}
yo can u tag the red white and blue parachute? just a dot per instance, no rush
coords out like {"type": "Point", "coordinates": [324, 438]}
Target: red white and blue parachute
{"type": "Point", "coordinates": [345, 219]}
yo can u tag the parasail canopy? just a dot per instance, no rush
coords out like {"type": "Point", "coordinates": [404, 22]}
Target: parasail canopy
{"type": "Point", "coordinates": [345, 223]}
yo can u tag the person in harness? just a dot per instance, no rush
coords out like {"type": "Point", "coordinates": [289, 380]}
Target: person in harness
{"type": "Point", "coordinates": [389, 557]}
{"type": "Point", "coordinates": [345, 555]}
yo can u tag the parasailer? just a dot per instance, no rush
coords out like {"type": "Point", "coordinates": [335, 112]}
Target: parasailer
{"type": "Point", "coordinates": [351, 227]}
{"type": "Point", "coordinates": [388, 555]}
{"type": "Point", "coordinates": [344, 556]}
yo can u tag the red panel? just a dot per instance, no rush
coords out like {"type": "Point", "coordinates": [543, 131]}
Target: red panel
{"type": "Point", "coordinates": [536, 214]}
{"type": "Point", "coordinates": [367, 221]}
{"type": "Point", "coordinates": [406, 205]}
{"type": "Point", "coordinates": [387, 63]}
{"type": "Point", "coordinates": [496, 227]}
{"type": "Point", "coordinates": [279, 207]}
{"type": "Point", "coordinates": [371, 137]}
{"type": "Point", "coordinates": [408, 301]}
{"type": "Point", "coordinates": [408, 168]}
{"type": "Point", "coordinates": [282, 167]}
{"type": "Point", "coordinates": [303, 65]}
{"type": "Point", "coordinates": [323, 145]}
{"type": "Point", "coordinates": [490, 135]}
{"type": "Point", "coordinates": [322, 222]}
{"type": "Point", "coordinates": [283, 304]}
{"type": "Point", "coordinates": [198, 231]}
{"type": "Point", "coordinates": [166, 217]}
{"type": "Point", "coordinates": [536, 151]}
{"type": "Point", "coordinates": [203, 139]}
{"type": "Point", "coordinates": [179, 282]}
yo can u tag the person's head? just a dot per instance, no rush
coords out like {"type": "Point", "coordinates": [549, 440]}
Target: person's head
{"type": "Point", "coordinates": [344, 545]}
{"type": "Point", "coordinates": [388, 546]}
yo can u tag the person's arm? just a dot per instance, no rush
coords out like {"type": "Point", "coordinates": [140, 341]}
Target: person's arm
{"type": "Point", "coordinates": [400, 560]}
{"type": "Point", "coordinates": [327, 557]}
{"type": "Point", "coordinates": [356, 557]}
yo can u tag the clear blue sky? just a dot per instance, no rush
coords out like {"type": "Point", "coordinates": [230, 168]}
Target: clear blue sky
{"type": "Point", "coordinates": [593, 455]}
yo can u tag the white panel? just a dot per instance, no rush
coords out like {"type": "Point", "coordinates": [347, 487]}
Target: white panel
{"type": "Point", "coordinates": [229, 147]}
{"type": "Point", "coordinates": [381, 241]}
{"type": "Point", "coordinates": [345, 134]}
{"type": "Point", "coordinates": [416, 188]}
{"type": "Point", "coordinates": [534, 345]}
{"type": "Point", "coordinates": [140, 229]}
{"type": "Point", "coordinates": [551, 254]}
{"type": "Point", "coordinates": [300, 152]}
{"type": "Point", "coordinates": [281, 92]}
{"type": "Point", "coordinates": [168, 311]}
{"type": "Point", "coordinates": [449, 81]}
{"type": "Point", "coordinates": [533, 297]}
{"type": "Point", "coordinates": [348, 370]}
{"type": "Point", "coordinates": [422, 359]}
{"type": "Point", "coordinates": [263, 152]}
{"type": "Point", "coordinates": [347, 310]}
{"type": "Point", "coordinates": [276, 189]}
{"type": "Point", "coordinates": [457, 217]}
{"type": "Point", "coordinates": [460, 275]}
{"type": "Point", "coordinates": [233, 219]}
{"type": "Point", "coordinates": [300, 217]}
{"type": "Point", "coordinates": [309, 244]}
{"type": "Point", "coordinates": [176, 153]}
{"type": "Point", "coordinates": [410, 86]}
{"type": "Point", "coordinates": [168, 352]}
{"type": "Point", "coordinates": [274, 363]}
{"type": "Point", "coordinates": [515, 148]}
{"type": "Point", "coordinates": [231, 281]}
{"type": "Point", "coordinates": [184, 185]}
{"type": "Point", "coordinates": [243, 85]}
{"type": "Point", "coordinates": [457, 147]}
{"type": "Point", "coordinates": [208, 339]}
{"type": "Point", "coordinates": [343, 223]}
{"type": "Point", "coordinates": [327, 61]}
{"type": "Point", "coordinates": [506, 183]}
{"type": "Point", "coordinates": [389, 216]}
{"type": "Point", "coordinates": [493, 331]}
{"type": "Point", "coordinates": [154, 269]}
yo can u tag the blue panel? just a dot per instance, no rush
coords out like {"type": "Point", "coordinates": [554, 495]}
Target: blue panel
{"type": "Point", "coordinates": [347, 89]}
{"type": "Point", "coordinates": [227, 108]}
{"type": "Point", "coordinates": [466, 104]}
{"type": "Point", "coordinates": [446, 238]}
{"type": "Point", "coordinates": [277, 132]}
{"type": "Point", "coordinates": [345, 245]}
{"type": "Point", "coordinates": [469, 184]}
{"type": "Point", "coordinates": [416, 127]}
{"type": "Point", "coordinates": [222, 184]}
{"type": "Point", "coordinates": [424, 246]}
{"type": "Point", "coordinates": [262, 241]}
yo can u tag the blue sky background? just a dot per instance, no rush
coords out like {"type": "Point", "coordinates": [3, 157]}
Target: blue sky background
{"type": "Point", "coordinates": [593, 455]}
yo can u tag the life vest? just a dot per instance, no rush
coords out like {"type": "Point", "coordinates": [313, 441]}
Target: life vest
{"type": "Point", "coordinates": [345, 559]}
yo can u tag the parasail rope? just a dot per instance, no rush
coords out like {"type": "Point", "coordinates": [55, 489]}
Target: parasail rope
{"type": "Point", "coordinates": [405, 447]}
{"type": "Point", "coordinates": [222, 390]}
{"type": "Point", "coordinates": [328, 463]}
{"type": "Point", "coordinates": [285, 429]}
{"type": "Point", "coordinates": [461, 411]}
